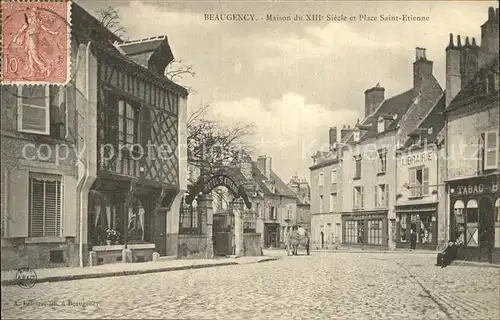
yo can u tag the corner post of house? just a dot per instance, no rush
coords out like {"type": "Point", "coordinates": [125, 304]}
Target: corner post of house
{"type": "Point", "coordinates": [206, 210]}
{"type": "Point", "coordinates": [127, 253]}
{"type": "Point", "coordinates": [238, 226]}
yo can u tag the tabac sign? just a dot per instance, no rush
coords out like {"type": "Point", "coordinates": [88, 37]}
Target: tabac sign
{"type": "Point", "coordinates": [205, 185]}
{"type": "Point", "coordinates": [476, 188]}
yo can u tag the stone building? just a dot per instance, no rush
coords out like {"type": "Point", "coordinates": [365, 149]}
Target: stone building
{"type": "Point", "coordinates": [326, 195]}
{"type": "Point", "coordinates": [110, 119]}
{"type": "Point", "coordinates": [472, 142]}
{"type": "Point", "coordinates": [368, 156]}
{"type": "Point", "coordinates": [420, 191]}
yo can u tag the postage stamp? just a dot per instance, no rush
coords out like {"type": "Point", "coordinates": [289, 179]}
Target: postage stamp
{"type": "Point", "coordinates": [36, 42]}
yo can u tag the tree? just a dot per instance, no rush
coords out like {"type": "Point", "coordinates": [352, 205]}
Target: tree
{"type": "Point", "coordinates": [213, 144]}
{"type": "Point", "coordinates": [110, 18]}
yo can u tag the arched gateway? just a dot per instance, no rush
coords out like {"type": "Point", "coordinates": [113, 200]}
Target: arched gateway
{"type": "Point", "coordinates": [221, 240]}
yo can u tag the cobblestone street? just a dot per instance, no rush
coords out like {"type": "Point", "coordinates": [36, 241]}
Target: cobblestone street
{"type": "Point", "coordinates": [320, 286]}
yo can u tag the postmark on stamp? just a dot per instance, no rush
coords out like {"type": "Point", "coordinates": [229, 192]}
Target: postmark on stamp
{"type": "Point", "coordinates": [36, 42]}
{"type": "Point", "coordinates": [26, 278]}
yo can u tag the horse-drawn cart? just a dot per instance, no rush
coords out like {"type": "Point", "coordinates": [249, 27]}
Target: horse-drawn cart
{"type": "Point", "coordinates": [297, 238]}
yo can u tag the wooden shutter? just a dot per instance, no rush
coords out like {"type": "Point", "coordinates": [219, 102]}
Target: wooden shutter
{"type": "Point", "coordinates": [413, 182]}
{"type": "Point", "coordinates": [491, 150]}
{"type": "Point", "coordinates": [387, 195]}
{"type": "Point", "coordinates": [70, 217]}
{"type": "Point", "coordinates": [354, 204]}
{"type": "Point", "coordinates": [425, 181]}
{"type": "Point", "coordinates": [375, 193]}
{"type": "Point", "coordinates": [17, 182]}
{"type": "Point", "coordinates": [362, 205]}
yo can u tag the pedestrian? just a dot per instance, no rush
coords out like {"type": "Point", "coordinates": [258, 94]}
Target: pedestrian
{"type": "Point", "coordinates": [413, 239]}
{"type": "Point", "coordinates": [448, 255]}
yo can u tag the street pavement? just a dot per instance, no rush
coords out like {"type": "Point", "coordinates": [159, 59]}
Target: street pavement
{"type": "Point", "coordinates": [325, 285]}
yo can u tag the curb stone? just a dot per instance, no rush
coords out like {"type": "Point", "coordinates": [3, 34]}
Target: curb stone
{"type": "Point", "coordinates": [462, 263]}
{"type": "Point", "coordinates": [12, 282]}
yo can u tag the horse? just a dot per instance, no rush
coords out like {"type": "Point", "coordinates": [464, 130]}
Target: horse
{"type": "Point", "coordinates": [296, 238]}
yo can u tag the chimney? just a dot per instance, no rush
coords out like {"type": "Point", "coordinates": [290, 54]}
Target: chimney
{"type": "Point", "coordinates": [422, 71]}
{"type": "Point", "coordinates": [332, 137]}
{"type": "Point", "coordinates": [489, 37]}
{"type": "Point", "coordinates": [344, 132]}
{"type": "Point", "coordinates": [264, 164]}
{"type": "Point", "coordinates": [469, 61]}
{"type": "Point", "coordinates": [373, 98]}
{"type": "Point", "coordinates": [453, 70]}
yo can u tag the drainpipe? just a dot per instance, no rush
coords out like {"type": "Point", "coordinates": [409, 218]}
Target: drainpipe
{"type": "Point", "coordinates": [446, 204]}
{"type": "Point", "coordinates": [82, 183]}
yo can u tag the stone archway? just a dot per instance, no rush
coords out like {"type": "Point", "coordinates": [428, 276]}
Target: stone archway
{"type": "Point", "coordinates": [202, 192]}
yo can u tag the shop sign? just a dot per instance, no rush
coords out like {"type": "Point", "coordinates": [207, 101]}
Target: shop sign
{"type": "Point", "coordinates": [476, 188]}
{"type": "Point", "coordinates": [417, 158]}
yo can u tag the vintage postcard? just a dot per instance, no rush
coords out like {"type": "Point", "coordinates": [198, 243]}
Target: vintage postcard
{"type": "Point", "coordinates": [250, 159]}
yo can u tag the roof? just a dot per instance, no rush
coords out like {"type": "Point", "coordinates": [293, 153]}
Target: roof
{"type": "Point", "coordinates": [396, 105]}
{"type": "Point", "coordinates": [281, 187]}
{"type": "Point", "coordinates": [87, 28]}
{"type": "Point", "coordinates": [434, 119]}
{"type": "Point", "coordinates": [142, 45]}
{"type": "Point", "coordinates": [475, 90]}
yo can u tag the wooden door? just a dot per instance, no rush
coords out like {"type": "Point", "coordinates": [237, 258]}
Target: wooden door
{"type": "Point", "coordinates": [160, 232]}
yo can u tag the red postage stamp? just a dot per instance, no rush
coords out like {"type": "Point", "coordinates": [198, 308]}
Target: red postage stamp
{"type": "Point", "coordinates": [36, 42]}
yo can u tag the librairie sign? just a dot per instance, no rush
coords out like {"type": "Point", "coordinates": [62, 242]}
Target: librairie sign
{"type": "Point", "coordinates": [417, 158]}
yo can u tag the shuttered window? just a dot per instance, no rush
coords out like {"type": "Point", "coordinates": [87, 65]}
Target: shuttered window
{"type": "Point", "coordinates": [491, 150]}
{"type": "Point", "coordinates": [45, 205]}
{"type": "Point", "coordinates": [34, 109]}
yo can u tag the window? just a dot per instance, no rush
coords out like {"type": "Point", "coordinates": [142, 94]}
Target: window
{"type": "Point", "coordinates": [472, 223]}
{"type": "Point", "coordinates": [458, 210]}
{"type": "Point", "coordinates": [356, 135]}
{"type": "Point", "coordinates": [321, 179]}
{"type": "Point", "coordinates": [334, 176]}
{"type": "Point", "coordinates": [350, 232]}
{"type": "Point", "coordinates": [382, 161]}
{"type": "Point", "coordinates": [381, 196]}
{"type": "Point", "coordinates": [380, 125]}
{"type": "Point", "coordinates": [491, 150]}
{"type": "Point", "coordinates": [272, 213]}
{"type": "Point", "coordinates": [45, 205]}
{"type": "Point", "coordinates": [333, 202]}
{"type": "Point", "coordinates": [289, 212]}
{"type": "Point", "coordinates": [375, 232]}
{"type": "Point", "coordinates": [497, 210]}
{"type": "Point", "coordinates": [34, 110]}
{"type": "Point", "coordinates": [136, 220]}
{"type": "Point", "coordinates": [492, 83]}
{"type": "Point", "coordinates": [249, 222]}
{"type": "Point", "coordinates": [403, 224]}
{"type": "Point", "coordinates": [128, 123]}
{"type": "Point", "coordinates": [321, 204]}
{"type": "Point", "coordinates": [419, 182]}
{"type": "Point", "coordinates": [357, 174]}
{"type": "Point", "coordinates": [357, 199]}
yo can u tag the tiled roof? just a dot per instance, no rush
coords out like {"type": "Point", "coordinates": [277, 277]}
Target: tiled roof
{"type": "Point", "coordinates": [475, 90]}
{"type": "Point", "coordinates": [396, 105]}
{"type": "Point", "coordinates": [434, 119]}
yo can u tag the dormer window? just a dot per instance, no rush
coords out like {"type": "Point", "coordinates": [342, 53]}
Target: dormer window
{"type": "Point", "coordinates": [356, 135]}
{"type": "Point", "coordinates": [492, 83]}
{"type": "Point", "coordinates": [381, 125]}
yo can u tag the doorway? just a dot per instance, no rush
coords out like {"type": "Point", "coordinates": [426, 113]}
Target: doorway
{"type": "Point", "coordinates": [159, 231]}
{"type": "Point", "coordinates": [322, 240]}
{"type": "Point", "coordinates": [486, 228]}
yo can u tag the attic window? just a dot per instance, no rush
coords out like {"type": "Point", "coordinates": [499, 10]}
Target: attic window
{"type": "Point", "coordinates": [381, 125]}
{"type": "Point", "coordinates": [491, 83]}
{"type": "Point", "coordinates": [356, 136]}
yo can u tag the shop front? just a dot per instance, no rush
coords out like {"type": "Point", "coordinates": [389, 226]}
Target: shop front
{"type": "Point", "coordinates": [365, 229]}
{"type": "Point", "coordinates": [474, 217]}
{"type": "Point", "coordinates": [417, 221]}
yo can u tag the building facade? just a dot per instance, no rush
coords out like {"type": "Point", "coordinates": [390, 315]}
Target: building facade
{"type": "Point", "coordinates": [326, 195]}
{"type": "Point", "coordinates": [420, 191]}
{"type": "Point", "coordinates": [111, 118]}
{"type": "Point", "coordinates": [369, 156]}
{"type": "Point", "coordinates": [302, 190]}
{"type": "Point", "coordinates": [472, 143]}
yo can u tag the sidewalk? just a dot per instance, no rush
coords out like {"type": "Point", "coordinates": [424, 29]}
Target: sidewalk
{"type": "Point", "coordinates": [125, 269]}
{"type": "Point", "coordinates": [340, 249]}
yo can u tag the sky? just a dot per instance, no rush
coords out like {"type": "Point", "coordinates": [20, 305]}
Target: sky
{"type": "Point", "coordinates": [295, 79]}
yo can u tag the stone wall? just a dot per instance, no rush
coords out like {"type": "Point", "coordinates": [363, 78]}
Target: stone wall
{"type": "Point", "coordinates": [192, 246]}
{"type": "Point", "coordinates": [16, 253]}
{"type": "Point", "coordinates": [251, 244]}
